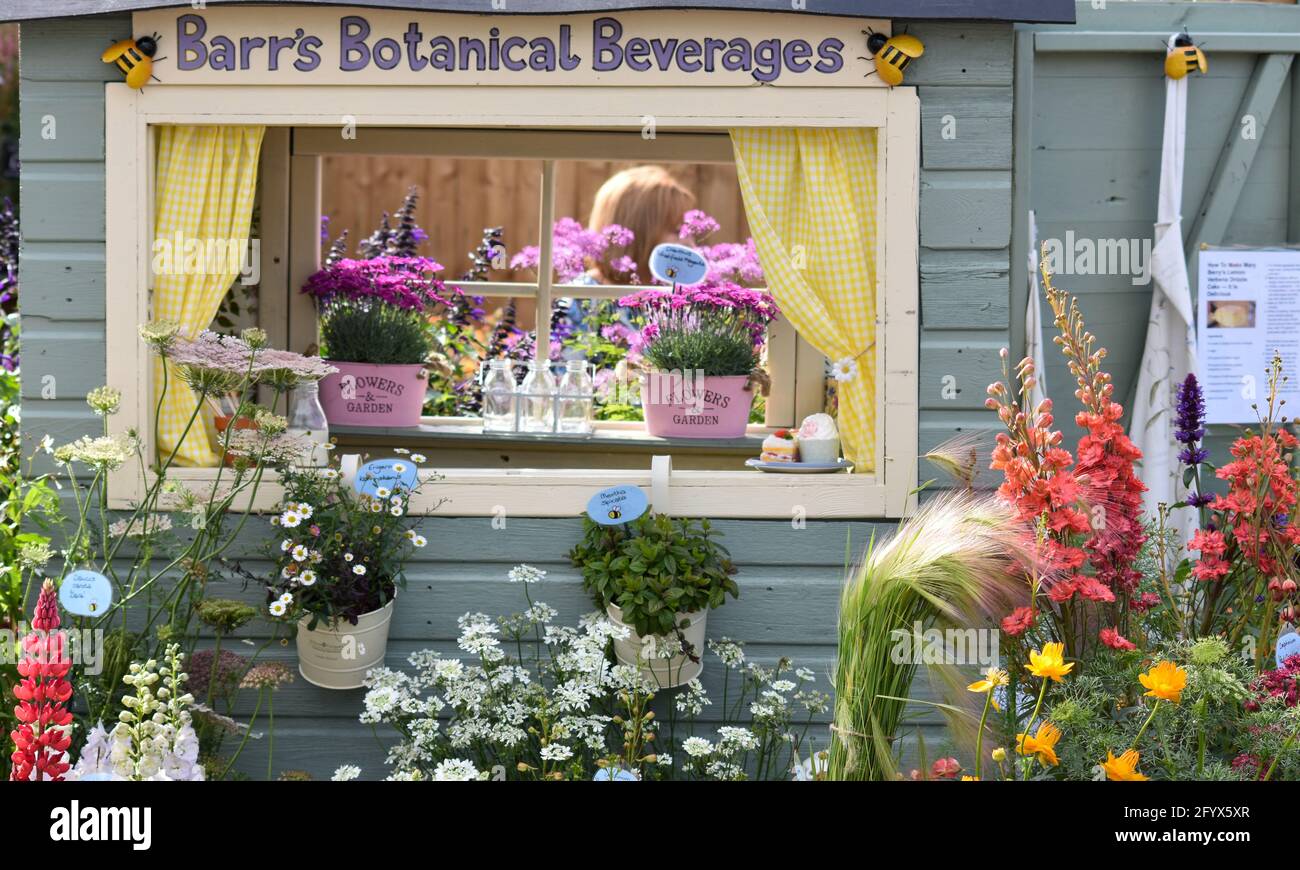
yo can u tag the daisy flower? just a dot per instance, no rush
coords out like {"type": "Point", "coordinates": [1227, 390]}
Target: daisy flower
{"type": "Point", "coordinates": [278, 608]}
{"type": "Point", "coordinates": [286, 545]}
{"type": "Point", "coordinates": [396, 510]}
{"type": "Point", "coordinates": [844, 370]}
{"type": "Point", "coordinates": [359, 570]}
{"type": "Point", "coordinates": [348, 557]}
{"type": "Point", "coordinates": [286, 599]}
{"type": "Point", "coordinates": [290, 519]}
{"type": "Point", "coordinates": [417, 458]}
{"type": "Point", "coordinates": [308, 577]}
{"type": "Point", "coordinates": [382, 492]}
{"type": "Point", "coordinates": [300, 553]}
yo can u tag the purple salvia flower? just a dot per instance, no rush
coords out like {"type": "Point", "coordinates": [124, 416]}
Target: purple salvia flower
{"type": "Point", "coordinates": [1189, 422]}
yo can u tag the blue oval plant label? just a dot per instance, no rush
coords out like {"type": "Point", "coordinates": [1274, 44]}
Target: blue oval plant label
{"type": "Point", "coordinates": [85, 593]}
{"type": "Point", "coordinates": [618, 504]}
{"type": "Point", "coordinates": [391, 474]}
{"type": "Point", "coordinates": [1287, 645]}
{"type": "Point", "coordinates": [678, 264]}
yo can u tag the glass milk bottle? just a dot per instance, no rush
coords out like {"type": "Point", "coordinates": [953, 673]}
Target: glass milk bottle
{"type": "Point", "coordinates": [499, 397]}
{"type": "Point", "coordinates": [537, 394]}
{"type": "Point", "coordinates": [307, 418]}
{"type": "Point", "coordinates": [576, 397]}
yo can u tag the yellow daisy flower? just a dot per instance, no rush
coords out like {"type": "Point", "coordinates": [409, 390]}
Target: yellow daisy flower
{"type": "Point", "coordinates": [1050, 663]}
{"type": "Point", "coordinates": [993, 678]}
{"type": "Point", "coordinates": [1041, 744]}
{"type": "Point", "coordinates": [1124, 768]}
{"type": "Point", "coordinates": [1165, 681]}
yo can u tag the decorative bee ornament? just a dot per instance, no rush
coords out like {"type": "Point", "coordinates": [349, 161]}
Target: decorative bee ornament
{"type": "Point", "coordinates": [134, 57]}
{"type": "Point", "coordinates": [1185, 57]}
{"type": "Point", "coordinates": [892, 54]}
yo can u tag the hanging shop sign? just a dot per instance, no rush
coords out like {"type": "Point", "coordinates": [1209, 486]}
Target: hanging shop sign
{"type": "Point", "coordinates": [245, 45]}
{"type": "Point", "coordinates": [1249, 310]}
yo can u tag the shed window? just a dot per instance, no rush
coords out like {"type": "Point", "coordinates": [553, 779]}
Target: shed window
{"type": "Point", "coordinates": [303, 131]}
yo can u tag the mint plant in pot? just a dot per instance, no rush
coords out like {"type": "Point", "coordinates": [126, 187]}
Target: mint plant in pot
{"type": "Point", "coordinates": [375, 327]}
{"type": "Point", "coordinates": [702, 357]}
{"type": "Point", "coordinates": [658, 576]}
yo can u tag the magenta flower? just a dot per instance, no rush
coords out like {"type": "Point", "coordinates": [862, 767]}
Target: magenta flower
{"type": "Point", "coordinates": [697, 226]}
{"type": "Point", "coordinates": [410, 283]}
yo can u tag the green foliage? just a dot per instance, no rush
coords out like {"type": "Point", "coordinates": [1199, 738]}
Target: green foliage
{"type": "Point", "coordinates": [714, 349]}
{"type": "Point", "coordinates": [1103, 710]}
{"type": "Point", "coordinates": [379, 334]}
{"type": "Point", "coordinates": [654, 567]}
{"type": "Point", "coordinates": [224, 614]}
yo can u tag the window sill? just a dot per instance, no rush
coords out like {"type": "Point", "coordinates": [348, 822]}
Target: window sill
{"type": "Point", "coordinates": [453, 443]}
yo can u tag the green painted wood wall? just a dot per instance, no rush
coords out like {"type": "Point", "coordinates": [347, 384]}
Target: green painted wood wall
{"type": "Point", "coordinates": [1096, 116]}
{"type": "Point", "coordinates": [790, 577]}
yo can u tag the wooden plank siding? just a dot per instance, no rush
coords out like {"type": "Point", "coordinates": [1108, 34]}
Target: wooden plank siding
{"type": "Point", "coordinates": [965, 85]}
{"type": "Point", "coordinates": [790, 576]}
{"type": "Point", "coordinates": [1097, 115]}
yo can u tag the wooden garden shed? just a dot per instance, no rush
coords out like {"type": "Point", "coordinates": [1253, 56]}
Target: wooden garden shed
{"type": "Point", "coordinates": [971, 137]}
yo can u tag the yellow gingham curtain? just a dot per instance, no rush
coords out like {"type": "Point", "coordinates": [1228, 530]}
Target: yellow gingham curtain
{"type": "Point", "coordinates": [810, 197]}
{"type": "Point", "coordinates": [206, 182]}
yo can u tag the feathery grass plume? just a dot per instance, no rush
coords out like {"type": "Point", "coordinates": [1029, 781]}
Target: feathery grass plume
{"type": "Point", "coordinates": [962, 457]}
{"type": "Point", "coordinates": [957, 561]}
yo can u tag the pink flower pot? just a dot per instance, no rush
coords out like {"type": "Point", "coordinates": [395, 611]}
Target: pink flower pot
{"type": "Point", "coordinates": [366, 394]}
{"type": "Point", "coordinates": [677, 406]}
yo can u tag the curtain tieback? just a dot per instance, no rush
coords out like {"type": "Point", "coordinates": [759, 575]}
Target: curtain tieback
{"type": "Point", "coordinates": [846, 369]}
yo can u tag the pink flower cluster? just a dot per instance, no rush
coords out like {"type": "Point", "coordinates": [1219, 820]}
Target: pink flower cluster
{"type": "Point", "coordinates": [575, 248]}
{"type": "Point", "coordinates": [402, 282]}
{"type": "Point", "coordinates": [42, 738]}
{"type": "Point", "coordinates": [696, 226]}
{"type": "Point", "coordinates": [227, 353]}
{"type": "Point", "coordinates": [1282, 683]}
{"type": "Point", "coordinates": [754, 309]}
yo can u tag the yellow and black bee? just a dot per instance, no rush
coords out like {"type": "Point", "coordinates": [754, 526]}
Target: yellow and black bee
{"type": "Point", "coordinates": [615, 513]}
{"type": "Point", "coordinates": [892, 54]}
{"type": "Point", "coordinates": [134, 57]}
{"type": "Point", "coordinates": [1185, 57]}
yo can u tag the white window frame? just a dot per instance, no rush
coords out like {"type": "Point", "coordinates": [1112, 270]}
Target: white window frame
{"type": "Point", "coordinates": [886, 492]}
{"type": "Point", "coordinates": [789, 398]}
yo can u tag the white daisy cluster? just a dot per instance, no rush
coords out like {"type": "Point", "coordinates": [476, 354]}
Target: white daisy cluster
{"type": "Point", "coordinates": [293, 515]}
{"type": "Point", "coordinates": [153, 738]}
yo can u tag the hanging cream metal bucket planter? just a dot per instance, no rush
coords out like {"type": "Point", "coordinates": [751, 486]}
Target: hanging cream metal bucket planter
{"type": "Point", "coordinates": [337, 655]}
{"type": "Point", "coordinates": [645, 652]}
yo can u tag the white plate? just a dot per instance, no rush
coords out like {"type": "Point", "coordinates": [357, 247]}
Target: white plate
{"type": "Point", "coordinates": [799, 467]}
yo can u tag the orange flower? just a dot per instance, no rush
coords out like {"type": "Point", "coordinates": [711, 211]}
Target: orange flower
{"type": "Point", "coordinates": [1124, 768]}
{"type": "Point", "coordinates": [1050, 663]}
{"type": "Point", "coordinates": [1042, 744]}
{"type": "Point", "coordinates": [1165, 681]}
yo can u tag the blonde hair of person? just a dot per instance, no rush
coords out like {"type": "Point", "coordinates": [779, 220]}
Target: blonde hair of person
{"type": "Point", "coordinates": [646, 200]}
